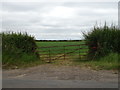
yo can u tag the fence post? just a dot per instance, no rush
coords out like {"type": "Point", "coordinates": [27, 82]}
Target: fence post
{"type": "Point", "coordinates": [79, 52]}
{"type": "Point", "coordinates": [40, 56]}
{"type": "Point", "coordinates": [49, 56]}
{"type": "Point", "coordinates": [64, 52]}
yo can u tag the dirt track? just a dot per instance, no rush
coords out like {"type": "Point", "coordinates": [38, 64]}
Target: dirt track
{"type": "Point", "coordinates": [52, 72]}
{"type": "Point", "coordinates": [51, 76]}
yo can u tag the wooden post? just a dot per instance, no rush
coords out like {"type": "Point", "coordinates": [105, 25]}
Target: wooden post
{"type": "Point", "coordinates": [49, 56]}
{"type": "Point", "coordinates": [64, 52]}
{"type": "Point", "coordinates": [79, 52]}
{"type": "Point", "coordinates": [40, 56]}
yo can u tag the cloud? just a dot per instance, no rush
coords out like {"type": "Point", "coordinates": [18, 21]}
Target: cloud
{"type": "Point", "coordinates": [60, 1]}
{"type": "Point", "coordinates": [67, 20]}
{"type": "Point", "coordinates": [60, 12]}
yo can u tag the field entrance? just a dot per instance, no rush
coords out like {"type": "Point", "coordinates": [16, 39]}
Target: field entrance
{"type": "Point", "coordinates": [52, 51]}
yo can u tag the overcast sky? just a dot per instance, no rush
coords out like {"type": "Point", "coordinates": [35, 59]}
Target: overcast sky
{"type": "Point", "coordinates": [57, 20]}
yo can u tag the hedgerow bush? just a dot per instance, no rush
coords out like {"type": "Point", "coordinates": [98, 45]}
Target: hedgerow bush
{"type": "Point", "coordinates": [18, 48]}
{"type": "Point", "coordinates": [102, 41]}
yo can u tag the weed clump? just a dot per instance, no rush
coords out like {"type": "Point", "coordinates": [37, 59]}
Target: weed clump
{"type": "Point", "coordinates": [102, 41]}
{"type": "Point", "coordinates": [18, 49]}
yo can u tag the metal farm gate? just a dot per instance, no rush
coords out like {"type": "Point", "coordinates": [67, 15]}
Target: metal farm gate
{"type": "Point", "coordinates": [52, 53]}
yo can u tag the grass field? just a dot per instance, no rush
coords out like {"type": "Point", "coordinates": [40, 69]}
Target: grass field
{"type": "Point", "coordinates": [60, 48]}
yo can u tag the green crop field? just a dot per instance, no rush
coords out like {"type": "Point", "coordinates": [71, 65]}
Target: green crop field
{"type": "Point", "coordinates": [60, 43]}
{"type": "Point", "coordinates": [61, 47]}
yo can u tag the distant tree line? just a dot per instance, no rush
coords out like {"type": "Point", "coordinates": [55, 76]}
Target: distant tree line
{"type": "Point", "coordinates": [57, 40]}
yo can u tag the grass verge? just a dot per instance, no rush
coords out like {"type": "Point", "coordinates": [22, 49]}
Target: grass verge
{"type": "Point", "coordinates": [25, 60]}
{"type": "Point", "coordinates": [109, 62]}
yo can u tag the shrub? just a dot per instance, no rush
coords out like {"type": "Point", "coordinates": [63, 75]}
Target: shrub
{"type": "Point", "coordinates": [15, 46]}
{"type": "Point", "coordinates": [103, 40]}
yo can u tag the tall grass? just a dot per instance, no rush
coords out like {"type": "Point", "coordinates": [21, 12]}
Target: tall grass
{"type": "Point", "coordinates": [102, 41]}
{"type": "Point", "coordinates": [18, 49]}
{"type": "Point", "coordinates": [108, 62]}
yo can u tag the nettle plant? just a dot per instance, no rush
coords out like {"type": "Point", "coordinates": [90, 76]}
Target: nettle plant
{"type": "Point", "coordinates": [102, 41]}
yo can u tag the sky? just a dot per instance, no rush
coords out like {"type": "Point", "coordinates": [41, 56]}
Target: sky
{"type": "Point", "coordinates": [55, 19]}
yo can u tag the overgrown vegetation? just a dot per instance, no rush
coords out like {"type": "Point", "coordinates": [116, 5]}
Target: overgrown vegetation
{"type": "Point", "coordinates": [102, 41]}
{"type": "Point", "coordinates": [104, 47]}
{"type": "Point", "coordinates": [108, 62]}
{"type": "Point", "coordinates": [18, 49]}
